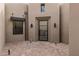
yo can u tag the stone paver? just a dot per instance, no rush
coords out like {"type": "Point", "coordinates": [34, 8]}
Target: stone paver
{"type": "Point", "coordinates": [39, 48]}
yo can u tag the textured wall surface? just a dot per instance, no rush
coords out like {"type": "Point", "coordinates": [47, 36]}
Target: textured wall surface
{"type": "Point", "coordinates": [18, 11]}
{"type": "Point", "coordinates": [51, 10]}
{"type": "Point", "coordinates": [65, 14]}
{"type": "Point", "coordinates": [2, 25]}
{"type": "Point", "coordinates": [35, 11]}
{"type": "Point", "coordinates": [74, 29]}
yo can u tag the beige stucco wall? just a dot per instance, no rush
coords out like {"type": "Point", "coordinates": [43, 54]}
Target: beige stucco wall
{"type": "Point", "coordinates": [2, 25]}
{"type": "Point", "coordinates": [65, 15]}
{"type": "Point", "coordinates": [34, 11]}
{"type": "Point", "coordinates": [18, 10]}
{"type": "Point", "coordinates": [51, 10]}
{"type": "Point", "coordinates": [74, 29]}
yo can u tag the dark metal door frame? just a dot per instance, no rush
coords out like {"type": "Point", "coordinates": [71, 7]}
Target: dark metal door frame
{"type": "Point", "coordinates": [39, 30]}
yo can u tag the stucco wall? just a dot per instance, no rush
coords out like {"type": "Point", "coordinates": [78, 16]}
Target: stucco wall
{"type": "Point", "coordinates": [74, 29]}
{"type": "Point", "coordinates": [34, 11]}
{"type": "Point", "coordinates": [18, 11]}
{"type": "Point", "coordinates": [2, 25]}
{"type": "Point", "coordinates": [65, 11]}
{"type": "Point", "coordinates": [51, 10]}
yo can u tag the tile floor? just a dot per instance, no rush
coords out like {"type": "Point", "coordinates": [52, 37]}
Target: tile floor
{"type": "Point", "coordinates": [39, 48]}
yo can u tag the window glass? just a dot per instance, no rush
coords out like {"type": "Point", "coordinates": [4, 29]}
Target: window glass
{"type": "Point", "coordinates": [43, 30]}
{"type": "Point", "coordinates": [42, 7]}
{"type": "Point", "coordinates": [17, 27]}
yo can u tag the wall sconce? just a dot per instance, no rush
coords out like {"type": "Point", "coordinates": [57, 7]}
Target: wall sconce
{"type": "Point", "coordinates": [55, 25]}
{"type": "Point", "coordinates": [31, 25]}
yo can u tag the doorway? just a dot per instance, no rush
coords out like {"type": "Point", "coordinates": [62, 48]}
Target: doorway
{"type": "Point", "coordinates": [43, 30]}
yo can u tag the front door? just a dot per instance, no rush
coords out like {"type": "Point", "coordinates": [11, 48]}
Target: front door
{"type": "Point", "coordinates": [43, 30]}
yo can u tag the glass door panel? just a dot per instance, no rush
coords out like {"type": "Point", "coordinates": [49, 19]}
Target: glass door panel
{"type": "Point", "coordinates": [43, 30]}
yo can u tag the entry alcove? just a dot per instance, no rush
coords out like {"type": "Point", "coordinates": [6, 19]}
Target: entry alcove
{"type": "Point", "coordinates": [42, 29]}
